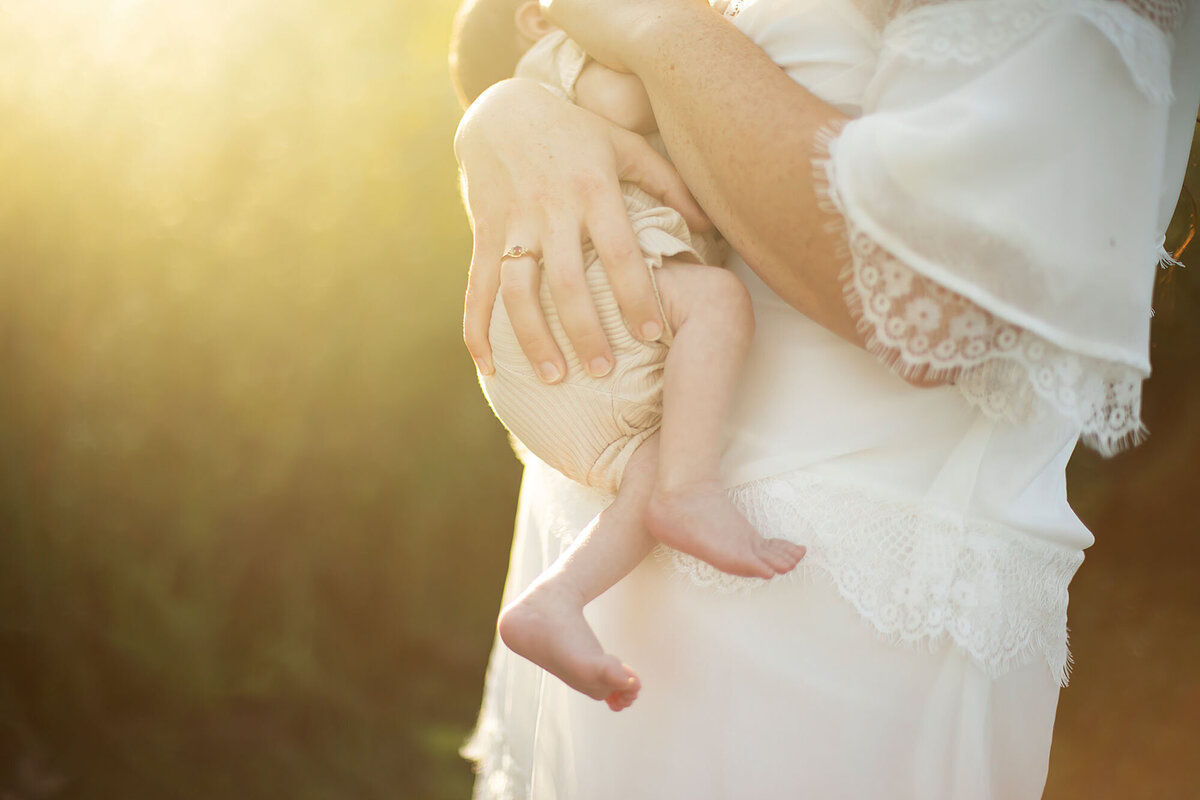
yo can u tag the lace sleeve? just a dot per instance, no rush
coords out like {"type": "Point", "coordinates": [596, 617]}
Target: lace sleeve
{"type": "Point", "coordinates": [1000, 202]}
{"type": "Point", "coordinates": [913, 323]}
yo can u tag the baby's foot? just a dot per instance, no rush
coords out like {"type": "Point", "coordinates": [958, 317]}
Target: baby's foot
{"type": "Point", "coordinates": [699, 519]}
{"type": "Point", "coordinates": [546, 626]}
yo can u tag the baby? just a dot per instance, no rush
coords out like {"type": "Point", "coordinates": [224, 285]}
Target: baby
{"type": "Point", "coordinates": [650, 430]}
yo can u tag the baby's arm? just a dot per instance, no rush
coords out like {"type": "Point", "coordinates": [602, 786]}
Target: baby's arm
{"type": "Point", "coordinates": [617, 96]}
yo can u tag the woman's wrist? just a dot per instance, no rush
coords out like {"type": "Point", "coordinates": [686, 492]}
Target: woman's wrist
{"type": "Point", "coordinates": [620, 33]}
{"type": "Point", "coordinates": [641, 44]}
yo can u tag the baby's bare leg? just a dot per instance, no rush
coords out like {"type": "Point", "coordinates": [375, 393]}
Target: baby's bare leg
{"type": "Point", "coordinates": [709, 310]}
{"type": "Point", "coordinates": [545, 624]}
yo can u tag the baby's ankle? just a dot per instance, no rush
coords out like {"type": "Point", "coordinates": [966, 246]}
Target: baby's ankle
{"type": "Point", "coordinates": [559, 587]}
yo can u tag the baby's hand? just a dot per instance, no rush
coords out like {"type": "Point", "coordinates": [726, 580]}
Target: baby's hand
{"type": "Point", "coordinates": [619, 97]}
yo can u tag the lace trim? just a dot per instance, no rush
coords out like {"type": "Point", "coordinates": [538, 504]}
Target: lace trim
{"type": "Point", "coordinates": [916, 326]}
{"type": "Point", "coordinates": [917, 573]}
{"type": "Point", "coordinates": [980, 30]}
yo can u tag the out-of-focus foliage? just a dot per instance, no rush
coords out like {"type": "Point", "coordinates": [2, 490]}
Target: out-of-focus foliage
{"type": "Point", "coordinates": [254, 514]}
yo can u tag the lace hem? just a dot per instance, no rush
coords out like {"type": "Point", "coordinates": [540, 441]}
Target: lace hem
{"type": "Point", "coordinates": [917, 573]}
{"type": "Point", "coordinates": [916, 326]}
{"type": "Point", "coordinates": [971, 32]}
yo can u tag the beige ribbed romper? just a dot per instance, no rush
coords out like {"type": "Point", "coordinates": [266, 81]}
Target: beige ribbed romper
{"type": "Point", "coordinates": [587, 428]}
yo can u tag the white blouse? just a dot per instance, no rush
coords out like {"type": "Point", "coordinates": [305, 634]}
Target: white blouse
{"type": "Point", "coordinates": [1004, 187]}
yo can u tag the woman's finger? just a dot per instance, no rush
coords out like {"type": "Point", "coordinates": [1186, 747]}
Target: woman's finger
{"type": "Point", "coordinates": [573, 301]}
{"type": "Point", "coordinates": [520, 287]}
{"type": "Point", "coordinates": [640, 163]}
{"type": "Point", "coordinates": [483, 282]}
{"type": "Point", "coordinates": [612, 236]}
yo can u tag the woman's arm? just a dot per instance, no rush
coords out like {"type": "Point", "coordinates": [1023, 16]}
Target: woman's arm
{"type": "Point", "coordinates": [740, 132]}
{"type": "Point", "coordinates": [1001, 204]}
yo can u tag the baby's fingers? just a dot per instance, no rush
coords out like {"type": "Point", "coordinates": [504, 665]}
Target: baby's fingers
{"type": "Point", "coordinates": [640, 163]}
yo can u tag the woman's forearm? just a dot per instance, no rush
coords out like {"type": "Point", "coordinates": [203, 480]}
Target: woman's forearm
{"type": "Point", "coordinates": [741, 133]}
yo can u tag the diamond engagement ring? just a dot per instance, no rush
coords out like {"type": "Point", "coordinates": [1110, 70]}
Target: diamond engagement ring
{"type": "Point", "coordinates": [517, 251]}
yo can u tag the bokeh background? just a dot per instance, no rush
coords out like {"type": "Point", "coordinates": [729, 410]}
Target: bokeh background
{"type": "Point", "coordinates": [255, 515]}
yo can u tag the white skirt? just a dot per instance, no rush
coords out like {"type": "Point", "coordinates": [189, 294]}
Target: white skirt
{"type": "Point", "coordinates": [784, 692]}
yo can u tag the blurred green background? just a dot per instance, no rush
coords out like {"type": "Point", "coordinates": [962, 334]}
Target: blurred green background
{"type": "Point", "coordinates": [254, 513]}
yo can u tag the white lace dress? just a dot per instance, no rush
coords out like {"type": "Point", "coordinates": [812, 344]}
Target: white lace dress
{"type": "Point", "coordinates": [1003, 188]}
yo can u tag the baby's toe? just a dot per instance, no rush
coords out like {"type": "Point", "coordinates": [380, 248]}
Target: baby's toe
{"type": "Point", "coordinates": [618, 701]}
{"type": "Point", "coordinates": [782, 555]}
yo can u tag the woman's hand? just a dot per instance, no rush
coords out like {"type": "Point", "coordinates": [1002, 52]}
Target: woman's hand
{"type": "Point", "coordinates": [544, 174]}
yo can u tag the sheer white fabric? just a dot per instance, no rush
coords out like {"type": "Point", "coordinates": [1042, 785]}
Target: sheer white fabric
{"type": "Point", "coordinates": [1010, 197]}
{"type": "Point", "coordinates": [964, 151]}
{"type": "Point", "coordinates": [917, 572]}
{"type": "Point", "coordinates": [1003, 19]}
{"type": "Point", "coordinates": [779, 692]}
{"type": "Point", "coordinates": [980, 30]}
{"type": "Point", "coordinates": [913, 322]}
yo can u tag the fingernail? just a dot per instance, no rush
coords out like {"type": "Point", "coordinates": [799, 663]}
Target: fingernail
{"type": "Point", "coordinates": [549, 371]}
{"type": "Point", "coordinates": [651, 331]}
{"type": "Point", "coordinates": [484, 367]}
{"type": "Point", "coordinates": [599, 367]}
